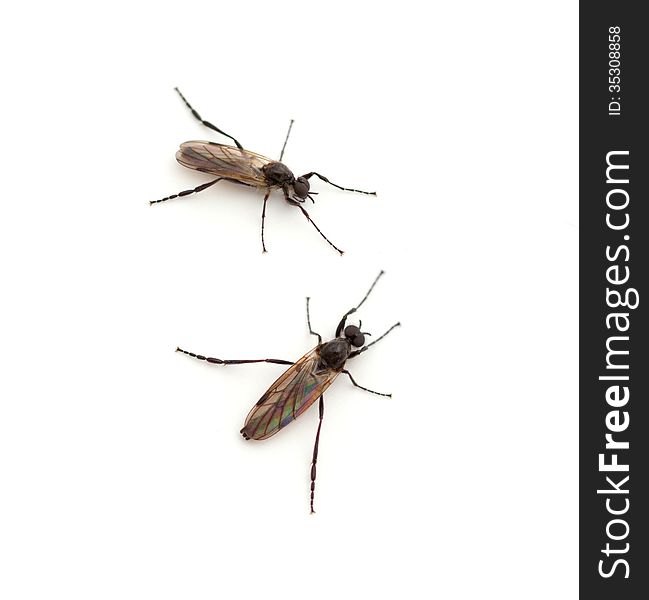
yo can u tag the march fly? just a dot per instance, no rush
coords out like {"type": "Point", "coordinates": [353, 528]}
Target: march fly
{"type": "Point", "coordinates": [238, 165]}
{"type": "Point", "coordinates": [305, 381]}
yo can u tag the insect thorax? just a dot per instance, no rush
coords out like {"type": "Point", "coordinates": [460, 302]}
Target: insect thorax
{"type": "Point", "coordinates": [277, 174]}
{"type": "Point", "coordinates": [333, 354]}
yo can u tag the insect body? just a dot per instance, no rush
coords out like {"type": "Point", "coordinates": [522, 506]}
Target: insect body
{"type": "Point", "coordinates": [305, 381]}
{"type": "Point", "coordinates": [298, 388]}
{"type": "Point", "coordinates": [237, 165]}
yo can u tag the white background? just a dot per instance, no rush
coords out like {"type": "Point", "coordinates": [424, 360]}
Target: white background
{"type": "Point", "coordinates": [123, 474]}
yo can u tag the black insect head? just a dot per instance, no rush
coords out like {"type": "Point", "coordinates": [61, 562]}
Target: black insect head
{"type": "Point", "coordinates": [355, 335]}
{"type": "Point", "coordinates": [301, 187]}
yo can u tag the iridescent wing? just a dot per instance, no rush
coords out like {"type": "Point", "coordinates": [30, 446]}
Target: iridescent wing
{"type": "Point", "coordinates": [297, 389]}
{"type": "Point", "coordinates": [224, 161]}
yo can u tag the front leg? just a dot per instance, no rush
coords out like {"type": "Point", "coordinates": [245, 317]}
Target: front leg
{"type": "Point", "coordinates": [323, 178]}
{"type": "Point", "coordinates": [341, 325]}
{"type": "Point", "coordinates": [310, 220]}
{"type": "Point", "coordinates": [357, 352]}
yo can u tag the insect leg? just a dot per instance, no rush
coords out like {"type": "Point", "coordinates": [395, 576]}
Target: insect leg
{"type": "Point", "coordinates": [263, 218]}
{"type": "Point", "coordinates": [341, 325]}
{"type": "Point", "coordinates": [306, 214]}
{"type": "Point", "coordinates": [314, 460]}
{"type": "Point", "coordinates": [346, 372]}
{"type": "Point", "coordinates": [308, 175]}
{"type": "Point", "coordinates": [200, 188]}
{"type": "Point", "coordinates": [207, 123]}
{"type": "Point", "coordinates": [220, 361]}
{"type": "Point", "coordinates": [308, 321]}
{"type": "Point", "coordinates": [357, 352]}
{"type": "Point", "coordinates": [290, 126]}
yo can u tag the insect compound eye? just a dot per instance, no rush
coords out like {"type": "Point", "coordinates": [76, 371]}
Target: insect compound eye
{"type": "Point", "coordinates": [358, 340]}
{"type": "Point", "coordinates": [301, 187]}
{"type": "Point", "coordinates": [351, 331]}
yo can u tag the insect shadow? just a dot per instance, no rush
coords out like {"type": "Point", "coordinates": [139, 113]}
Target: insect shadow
{"type": "Point", "coordinates": [305, 381]}
{"type": "Point", "coordinates": [235, 164]}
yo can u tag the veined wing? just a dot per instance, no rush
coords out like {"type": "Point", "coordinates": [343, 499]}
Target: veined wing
{"type": "Point", "coordinates": [223, 161]}
{"type": "Point", "coordinates": [297, 389]}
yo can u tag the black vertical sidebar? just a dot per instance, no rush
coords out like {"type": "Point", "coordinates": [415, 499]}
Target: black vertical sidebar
{"type": "Point", "coordinates": [614, 301]}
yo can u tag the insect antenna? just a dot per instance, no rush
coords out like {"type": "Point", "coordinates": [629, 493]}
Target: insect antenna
{"type": "Point", "coordinates": [314, 460]}
{"type": "Point", "coordinates": [290, 126]}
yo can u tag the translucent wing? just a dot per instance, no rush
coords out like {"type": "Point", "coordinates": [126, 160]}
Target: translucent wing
{"type": "Point", "coordinates": [223, 161]}
{"type": "Point", "coordinates": [296, 390]}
